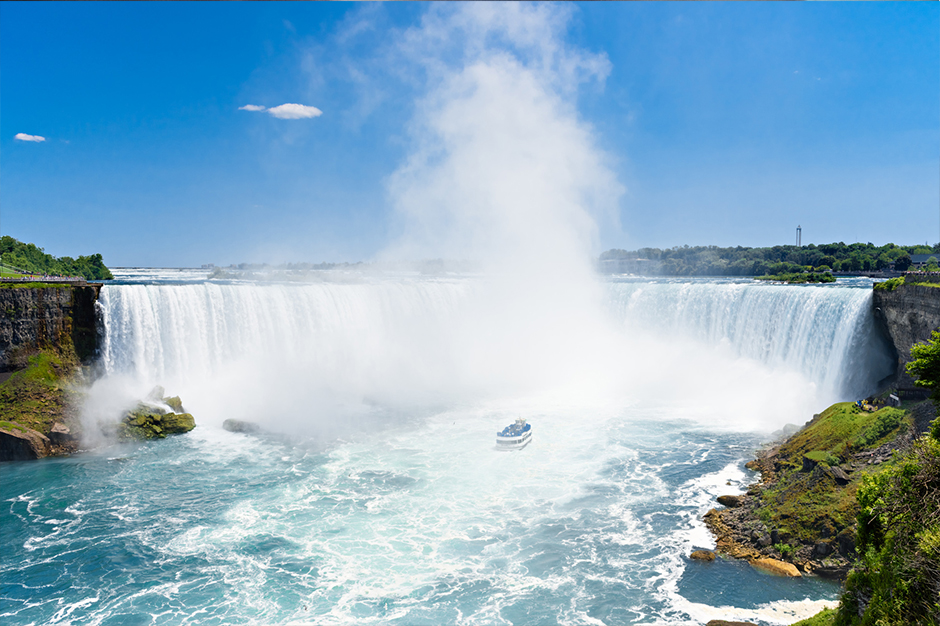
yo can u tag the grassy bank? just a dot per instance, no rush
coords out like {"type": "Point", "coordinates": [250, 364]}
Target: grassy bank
{"type": "Point", "coordinates": [809, 505]}
{"type": "Point", "coordinates": [37, 396]}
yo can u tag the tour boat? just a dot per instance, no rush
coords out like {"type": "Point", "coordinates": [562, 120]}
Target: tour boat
{"type": "Point", "coordinates": [515, 436]}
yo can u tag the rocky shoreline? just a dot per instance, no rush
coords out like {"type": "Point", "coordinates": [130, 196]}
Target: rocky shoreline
{"type": "Point", "coordinates": [750, 526]}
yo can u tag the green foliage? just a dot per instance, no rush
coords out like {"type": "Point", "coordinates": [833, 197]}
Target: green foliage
{"type": "Point", "coordinates": [925, 364]}
{"type": "Point", "coordinates": [823, 456]}
{"type": "Point", "coordinates": [826, 617]}
{"type": "Point", "coordinates": [886, 421]}
{"type": "Point", "coordinates": [33, 260]}
{"type": "Point", "coordinates": [806, 277]}
{"type": "Point", "coordinates": [742, 261]}
{"type": "Point", "coordinates": [33, 396]}
{"type": "Point", "coordinates": [809, 504]}
{"type": "Point", "coordinates": [784, 548]}
{"type": "Point", "coordinates": [897, 578]}
{"type": "Point", "coordinates": [890, 285]}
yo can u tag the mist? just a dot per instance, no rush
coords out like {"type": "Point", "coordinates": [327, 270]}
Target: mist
{"type": "Point", "coordinates": [503, 173]}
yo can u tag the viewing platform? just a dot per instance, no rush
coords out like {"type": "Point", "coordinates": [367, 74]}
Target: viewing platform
{"type": "Point", "coordinates": [65, 280]}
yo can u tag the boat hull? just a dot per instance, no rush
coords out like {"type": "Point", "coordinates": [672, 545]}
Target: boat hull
{"type": "Point", "coordinates": [513, 443]}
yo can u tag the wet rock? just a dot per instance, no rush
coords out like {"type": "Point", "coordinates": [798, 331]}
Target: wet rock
{"type": "Point", "coordinates": [702, 555]}
{"type": "Point", "coordinates": [62, 435]}
{"type": "Point", "coordinates": [829, 571]}
{"type": "Point", "coordinates": [239, 426]}
{"type": "Point", "coordinates": [722, 622]}
{"type": "Point", "coordinates": [730, 501]}
{"type": "Point", "coordinates": [174, 403]}
{"type": "Point", "coordinates": [764, 541]}
{"type": "Point", "coordinates": [822, 548]}
{"type": "Point", "coordinates": [775, 567]}
{"type": "Point", "coordinates": [18, 443]}
{"type": "Point", "coordinates": [150, 422]}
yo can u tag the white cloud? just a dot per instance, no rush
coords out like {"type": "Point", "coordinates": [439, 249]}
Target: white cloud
{"type": "Point", "coordinates": [291, 111]}
{"type": "Point", "coordinates": [288, 111]}
{"type": "Point", "coordinates": [25, 137]}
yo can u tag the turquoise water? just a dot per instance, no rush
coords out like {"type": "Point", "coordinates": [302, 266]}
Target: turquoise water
{"type": "Point", "coordinates": [422, 523]}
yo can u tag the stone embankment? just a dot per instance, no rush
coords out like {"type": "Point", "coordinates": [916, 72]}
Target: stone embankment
{"type": "Point", "coordinates": [908, 314]}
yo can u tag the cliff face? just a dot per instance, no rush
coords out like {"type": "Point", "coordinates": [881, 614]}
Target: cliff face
{"type": "Point", "coordinates": [909, 314]}
{"type": "Point", "coordinates": [34, 317]}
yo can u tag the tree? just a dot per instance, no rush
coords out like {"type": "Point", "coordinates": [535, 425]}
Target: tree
{"type": "Point", "coordinates": [925, 366]}
{"type": "Point", "coordinates": [903, 263]}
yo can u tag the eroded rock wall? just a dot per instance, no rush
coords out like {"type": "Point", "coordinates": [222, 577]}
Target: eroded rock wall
{"type": "Point", "coordinates": [33, 317]}
{"type": "Point", "coordinates": [909, 314]}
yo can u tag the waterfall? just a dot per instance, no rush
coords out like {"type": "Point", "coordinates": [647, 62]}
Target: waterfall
{"type": "Point", "coordinates": [827, 333]}
{"type": "Point", "coordinates": [342, 348]}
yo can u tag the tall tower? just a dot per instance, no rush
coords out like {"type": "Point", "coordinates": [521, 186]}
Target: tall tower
{"type": "Point", "coordinates": [799, 236]}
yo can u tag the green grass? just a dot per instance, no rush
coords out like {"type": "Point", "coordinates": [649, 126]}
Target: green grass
{"type": "Point", "coordinates": [838, 430]}
{"type": "Point", "coordinates": [31, 285]}
{"type": "Point", "coordinates": [35, 397]}
{"type": "Point", "coordinates": [826, 617]}
{"type": "Point", "coordinates": [11, 426]}
{"type": "Point", "coordinates": [807, 504]}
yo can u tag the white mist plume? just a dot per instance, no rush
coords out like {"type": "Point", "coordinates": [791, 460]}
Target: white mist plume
{"type": "Point", "coordinates": [503, 172]}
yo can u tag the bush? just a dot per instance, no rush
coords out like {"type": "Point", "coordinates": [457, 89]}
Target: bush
{"type": "Point", "coordinates": [886, 421]}
{"type": "Point", "coordinates": [896, 581]}
{"type": "Point", "coordinates": [890, 285]}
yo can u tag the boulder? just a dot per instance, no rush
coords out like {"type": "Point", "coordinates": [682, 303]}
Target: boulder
{"type": "Point", "coordinates": [239, 426]}
{"type": "Point", "coordinates": [839, 474]}
{"type": "Point", "coordinates": [174, 403]}
{"type": "Point", "coordinates": [822, 548]}
{"type": "Point", "coordinates": [730, 501]}
{"type": "Point", "coordinates": [18, 443]}
{"type": "Point", "coordinates": [775, 567]}
{"type": "Point", "coordinates": [61, 435]}
{"type": "Point", "coordinates": [723, 622]}
{"type": "Point", "coordinates": [147, 422]}
{"type": "Point", "coordinates": [702, 555]}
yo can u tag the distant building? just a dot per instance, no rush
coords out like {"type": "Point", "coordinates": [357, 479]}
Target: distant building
{"type": "Point", "coordinates": [919, 261]}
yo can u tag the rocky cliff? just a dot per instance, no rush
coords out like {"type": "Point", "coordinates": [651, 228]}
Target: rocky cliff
{"type": "Point", "coordinates": [909, 313]}
{"type": "Point", "coordinates": [37, 316]}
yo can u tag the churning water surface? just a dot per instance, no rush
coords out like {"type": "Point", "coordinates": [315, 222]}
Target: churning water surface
{"type": "Point", "coordinates": [369, 502]}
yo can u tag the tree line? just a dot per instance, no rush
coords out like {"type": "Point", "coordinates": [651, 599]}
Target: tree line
{"type": "Point", "coordinates": [29, 258]}
{"type": "Point", "coordinates": [742, 261]}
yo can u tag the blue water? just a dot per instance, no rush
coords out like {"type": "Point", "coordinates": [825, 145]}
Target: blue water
{"type": "Point", "coordinates": [376, 494]}
{"type": "Point", "coordinates": [421, 524]}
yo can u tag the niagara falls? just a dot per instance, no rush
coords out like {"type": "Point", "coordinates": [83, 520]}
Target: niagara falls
{"type": "Point", "coordinates": [469, 313]}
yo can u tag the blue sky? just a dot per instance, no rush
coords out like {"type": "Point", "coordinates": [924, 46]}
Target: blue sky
{"type": "Point", "coordinates": [721, 123]}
